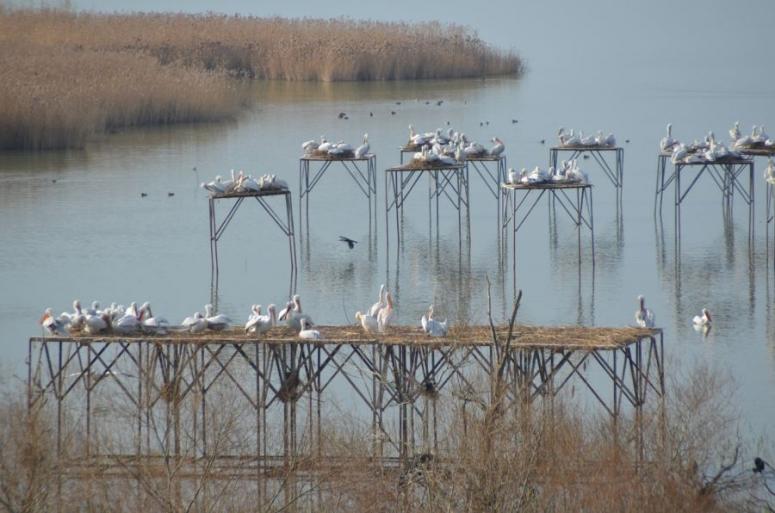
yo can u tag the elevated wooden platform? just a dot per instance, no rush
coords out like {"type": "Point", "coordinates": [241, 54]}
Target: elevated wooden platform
{"type": "Point", "coordinates": [524, 337]}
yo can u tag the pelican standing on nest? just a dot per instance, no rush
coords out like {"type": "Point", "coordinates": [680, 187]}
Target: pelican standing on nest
{"type": "Point", "coordinates": [52, 325]}
{"type": "Point", "coordinates": [376, 307]}
{"type": "Point", "coordinates": [368, 322]}
{"type": "Point", "coordinates": [433, 327]}
{"type": "Point", "coordinates": [363, 149]}
{"type": "Point", "coordinates": [215, 322]}
{"type": "Point", "coordinates": [643, 316]}
{"type": "Point", "coordinates": [497, 148]}
{"type": "Point", "coordinates": [385, 315]}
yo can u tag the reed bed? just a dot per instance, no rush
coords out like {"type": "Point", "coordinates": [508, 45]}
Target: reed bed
{"type": "Point", "coordinates": [67, 76]}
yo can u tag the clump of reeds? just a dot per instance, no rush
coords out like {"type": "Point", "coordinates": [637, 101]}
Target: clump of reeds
{"type": "Point", "coordinates": [66, 76]}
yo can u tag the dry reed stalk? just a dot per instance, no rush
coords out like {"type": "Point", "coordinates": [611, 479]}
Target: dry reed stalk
{"type": "Point", "coordinates": [66, 75]}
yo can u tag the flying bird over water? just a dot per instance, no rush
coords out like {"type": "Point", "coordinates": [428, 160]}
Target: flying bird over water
{"type": "Point", "coordinates": [350, 243]}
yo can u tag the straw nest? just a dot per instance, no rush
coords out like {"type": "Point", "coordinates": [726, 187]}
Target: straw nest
{"type": "Point", "coordinates": [328, 156]}
{"type": "Point", "coordinates": [410, 146]}
{"type": "Point", "coordinates": [424, 164]}
{"type": "Point", "coordinates": [551, 337]}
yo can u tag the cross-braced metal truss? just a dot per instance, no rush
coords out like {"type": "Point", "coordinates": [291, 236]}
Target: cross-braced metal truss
{"type": "Point", "coordinates": [362, 170]}
{"type": "Point", "coordinates": [492, 172]}
{"type": "Point", "coordinates": [450, 182]}
{"type": "Point", "coordinates": [574, 199]}
{"type": "Point", "coordinates": [218, 228]}
{"type": "Point", "coordinates": [166, 397]}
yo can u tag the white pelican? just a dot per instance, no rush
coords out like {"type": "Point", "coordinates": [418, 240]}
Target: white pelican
{"type": "Point", "coordinates": [734, 132]}
{"type": "Point", "coordinates": [376, 307]}
{"type": "Point", "coordinates": [513, 176]}
{"type": "Point", "coordinates": [311, 146]}
{"type": "Point", "coordinates": [610, 140]}
{"type": "Point", "coordinates": [680, 151]}
{"type": "Point", "coordinates": [94, 309]}
{"type": "Point", "coordinates": [756, 135]}
{"type": "Point", "coordinates": [127, 324]}
{"type": "Point", "coordinates": [54, 326]}
{"type": "Point", "coordinates": [561, 136]}
{"type": "Point", "coordinates": [96, 323]}
{"type": "Point", "coordinates": [215, 186]}
{"type": "Point", "coordinates": [325, 145]}
{"type": "Point", "coordinates": [308, 334]}
{"type": "Point", "coordinates": [643, 316]}
{"type": "Point", "coordinates": [571, 139]}
{"type": "Point", "coordinates": [295, 316]}
{"type": "Point", "coordinates": [149, 321]}
{"type": "Point", "coordinates": [497, 148]}
{"type": "Point", "coordinates": [341, 148]}
{"type": "Point", "coordinates": [385, 315]}
{"type": "Point", "coordinates": [368, 322]}
{"type": "Point", "coordinates": [587, 141]}
{"type": "Point", "coordinates": [667, 143]}
{"type": "Point", "coordinates": [195, 324]}
{"type": "Point", "coordinates": [283, 315]}
{"type": "Point", "coordinates": [77, 318]}
{"type": "Point", "coordinates": [260, 324]}
{"type": "Point", "coordinates": [433, 327]}
{"type": "Point", "coordinates": [702, 320]}
{"type": "Point", "coordinates": [215, 322]}
{"type": "Point", "coordinates": [363, 149]}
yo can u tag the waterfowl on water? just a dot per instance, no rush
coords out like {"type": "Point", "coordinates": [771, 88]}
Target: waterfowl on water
{"type": "Point", "coordinates": [702, 320]}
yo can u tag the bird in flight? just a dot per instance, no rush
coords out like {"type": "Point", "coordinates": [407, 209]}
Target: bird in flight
{"type": "Point", "coordinates": [350, 243]}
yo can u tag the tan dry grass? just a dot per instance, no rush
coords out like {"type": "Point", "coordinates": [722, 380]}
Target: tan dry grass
{"type": "Point", "coordinates": [67, 76]}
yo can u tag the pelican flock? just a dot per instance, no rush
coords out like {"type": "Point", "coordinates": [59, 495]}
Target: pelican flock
{"type": "Point", "coordinates": [568, 172]}
{"type": "Point", "coordinates": [242, 183]}
{"type": "Point", "coordinates": [341, 150]}
{"type": "Point", "coordinates": [450, 148]}
{"type": "Point", "coordinates": [572, 139]}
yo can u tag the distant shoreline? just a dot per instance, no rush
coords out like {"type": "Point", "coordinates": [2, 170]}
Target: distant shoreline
{"type": "Point", "coordinates": [69, 76]}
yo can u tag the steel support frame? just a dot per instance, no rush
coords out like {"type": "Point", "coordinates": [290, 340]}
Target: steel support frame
{"type": "Point", "coordinates": [613, 170]}
{"type": "Point", "coordinates": [574, 200]}
{"type": "Point", "coordinates": [443, 182]}
{"type": "Point", "coordinates": [728, 177]}
{"type": "Point", "coordinates": [217, 229]}
{"type": "Point", "coordinates": [364, 179]}
{"type": "Point", "coordinates": [168, 386]}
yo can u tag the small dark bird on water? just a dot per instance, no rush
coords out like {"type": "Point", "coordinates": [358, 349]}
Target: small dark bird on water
{"type": "Point", "coordinates": [481, 123]}
{"type": "Point", "coordinates": [513, 121]}
{"type": "Point", "coordinates": [342, 115]}
{"type": "Point", "coordinates": [758, 465]}
{"type": "Point", "coordinates": [586, 156]}
{"type": "Point", "coordinates": [53, 180]}
{"type": "Point", "coordinates": [487, 123]}
{"type": "Point", "coordinates": [170, 194]}
{"type": "Point", "coordinates": [346, 117]}
{"type": "Point", "coordinates": [193, 168]}
{"type": "Point", "coordinates": [371, 114]}
{"type": "Point", "coordinates": [398, 103]}
{"type": "Point", "coordinates": [427, 102]}
{"type": "Point", "coordinates": [439, 102]}
{"type": "Point", "coordinates": [143, 194]}
{"type": "Point", "coordinates": [350, 243]}
{"type": "Point", "coordinates": [393, 113]}
{"type": "Point", "coordinates": [447, 123]}
{"type": "Point", "coordinates": [543, 141]}
{"type": "Point", "coordinates": [627, 141]}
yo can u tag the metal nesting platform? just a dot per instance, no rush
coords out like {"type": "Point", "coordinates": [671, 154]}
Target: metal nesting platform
{"type": "Point", "coordinates": [728, 175]}
{"type": "Point", "coordinates": [448, 181]}
{"type": "Point", "coordinates": [575, 199]}
{"type": "Point", "coordinates": [217, 229]}
{"type": "Point", "coordinates": [362, 171]}
{"type": "Point", "coordinates": [160, 394]}
{"type": "Point", "coordinates": [614, 169]}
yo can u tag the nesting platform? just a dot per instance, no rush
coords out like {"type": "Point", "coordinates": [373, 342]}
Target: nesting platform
{"type": "Point", "coordinates": [362, 171]}
{"type": "Point", "coordinates": [492, 172]}
{"type": "Point", "coordinates": [575, 200]}
{"type": "Point", "coordinates": [158, 395]}
{"type": "Point", "coordinates": [612, 167]}
{"type": "Point", "coordinates": [448, 181]}
{"type": "Point", "coordinates": [728, 174]}
{"type": "Point", "coordinates": [284, 223]}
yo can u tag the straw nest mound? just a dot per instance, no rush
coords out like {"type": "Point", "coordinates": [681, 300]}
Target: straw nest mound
{"type": "Point", "coordinates": [326, 155]}
{"type": "Point", "coordinates": [424, 164]}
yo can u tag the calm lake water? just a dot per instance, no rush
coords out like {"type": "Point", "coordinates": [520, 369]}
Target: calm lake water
{"type": "Point", "coordinates": [90, 235]}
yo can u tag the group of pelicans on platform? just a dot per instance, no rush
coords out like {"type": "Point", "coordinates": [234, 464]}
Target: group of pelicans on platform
{"type": "Point", "coordinates": [709, 150]}
{"type": "Point", "coordinates": [341, 149]}
{"type": "Point", "coordinates": [132, 320]}
{"type": "Point", "coordinates": [645, 318]}
{"type": "Point", "coordinates": [570, 139]}
{"type": "Point", "coordinates": [568, 172]}
{"type": "Point", "coordinates": [240, 182]}
{"type": "Point", "coordinates": [448, 148]}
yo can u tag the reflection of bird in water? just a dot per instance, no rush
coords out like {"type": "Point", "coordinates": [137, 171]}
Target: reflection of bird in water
{"type": "Point", "coordinates": [350, 243]}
